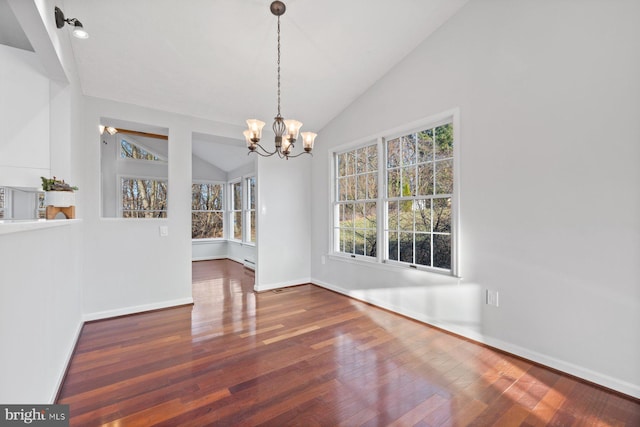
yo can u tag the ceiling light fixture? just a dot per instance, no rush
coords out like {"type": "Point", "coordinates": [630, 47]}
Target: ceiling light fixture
{"type": "Point", "coordinates": [78, 30]}
{"type": "Point", "coordinates": [286, 131]}
{"type": "Point", "coordinates": [110, 129]}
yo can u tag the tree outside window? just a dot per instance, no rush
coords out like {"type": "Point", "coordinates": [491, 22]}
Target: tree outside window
{"type": "Point", "coordinates": [236, 209]}
{"type": "Point", "coordinates": [132, 151]}
{"type": "Point", "coordinates": [2, 203]}
{"type": "Point", "coordinates": [143, 198]}
{"type": "Point", "coordinates": [419, 191]}
{"type": "Point", "coordinates": [207, 216]}
{"type": "Point", "coordinates": [355, 210]}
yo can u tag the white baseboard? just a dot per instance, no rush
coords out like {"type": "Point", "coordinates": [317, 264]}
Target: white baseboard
{"type": "Point", "coordinates": [567, 367]}
{"type": "Point", "coordinates": [63, 372]}
{"type": "Point", "coordinates": [208, 258]}
{"type": "Point", "coordinates": [88, 317]}
{"type": "Point", "coordinates": [271, 286]}
{"type": "Point", "coordinates": [604, 380]}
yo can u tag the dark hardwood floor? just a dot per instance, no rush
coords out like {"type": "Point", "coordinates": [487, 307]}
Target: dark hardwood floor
{"type": "Point", "coordinates": [309, 357]}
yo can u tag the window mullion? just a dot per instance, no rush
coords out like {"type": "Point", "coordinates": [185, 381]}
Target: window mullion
{"type": "Point", "coordinates": [382, 220]}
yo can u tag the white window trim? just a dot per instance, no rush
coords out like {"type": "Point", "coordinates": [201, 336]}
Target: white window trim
{"type": "Point", "coordinates": [246, 209]}
{"type": "Point", "coordinates": [224, 212]}
{"type": "Point", "coordinates": [231, 211]}
{"type": "Point", "coordinates": [449, 116]}
{"type": "Point", "coordinates": [334, 195]}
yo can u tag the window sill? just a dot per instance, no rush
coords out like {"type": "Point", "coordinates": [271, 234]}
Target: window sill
{"type": "Point", "coordinates": [214, 241]}
{"type": "Point", "coordinates": [241, 243]}
{"type": "Point", "coordinates": [207, 241]}
{"type": "Point", "coordinates": [388, 266]}
{"type": "Point", "coordinates": [8, 226]}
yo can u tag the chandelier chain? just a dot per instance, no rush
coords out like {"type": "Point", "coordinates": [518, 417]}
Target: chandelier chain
{"type": "Point", "coordinates": [278, 66]}
{"type": "Point", "coordinates": [285, 131]}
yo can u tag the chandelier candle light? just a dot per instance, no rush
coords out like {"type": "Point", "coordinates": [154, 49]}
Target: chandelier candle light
{"type": "Point", "coordinates": [286, 131]}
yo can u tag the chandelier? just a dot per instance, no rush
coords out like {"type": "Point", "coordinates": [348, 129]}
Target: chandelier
{"type": "Point", "coordinates": [286, 131]}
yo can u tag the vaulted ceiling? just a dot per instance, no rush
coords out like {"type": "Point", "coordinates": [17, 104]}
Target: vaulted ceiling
{"type": "Point", "coordinates": [216, 59]}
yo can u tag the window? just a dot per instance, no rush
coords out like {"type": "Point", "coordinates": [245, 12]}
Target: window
{"type": "Point", "coordinates": [3, 203]}
{"type": "Point", "coordinates": [236, 210]}
{"type": "Point", "coordinates": [134, 170]}
{"type": "Point", "coordinates": [410, 221]}
{"type": "Point", "coordinates": [207, 217]}
{"type": "Point", "coordinates": [143, 198]}
{"type": "Point", "coordinates": [21, 203]}
{"type": "Point", "coordinates": [355, 210]}
{"type": "Point", "coordinates": [41, 209]}
{"type": "Point", "coordinates": [418, 201]}
{"type": "Point", "coordinates": [250, 210]}
{"type": "Point", "coordinates": [132, 151]}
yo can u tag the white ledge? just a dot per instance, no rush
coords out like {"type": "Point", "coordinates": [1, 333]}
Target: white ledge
{"type": "Point", "coordinates": [19, 225]}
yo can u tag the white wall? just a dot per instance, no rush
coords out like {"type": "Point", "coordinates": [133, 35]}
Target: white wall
{"type": "Point", "coordinates": [161, 273]}
{"type": "Point", "coordinates": [24, 119]}
{"type": "Point", "coordinates": [549, 101]}
{"type": "Point", "coordinates": [40, 289]}
{"type": "Point", "coordinates": [284, 220]}
{"type": "Point", "coordinates": [202, 250]}
{"type": "Point", "coordinates": [40, 303]}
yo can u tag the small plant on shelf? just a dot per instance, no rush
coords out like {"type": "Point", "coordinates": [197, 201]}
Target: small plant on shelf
{"type": "Point", "coordinates": [53, 184]}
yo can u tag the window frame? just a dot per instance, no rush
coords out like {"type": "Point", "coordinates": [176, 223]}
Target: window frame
{"type": "Point", "coordinates": [223, 211]}
{"type": "Point", "coordinates": [381, 260]}
{"type": "Point", "coordinates": [38, 210]}
{"type": "Point", "coordinates": [336, 202]}
{"type": "Point", "coordinates": [119, 207]}
{"type": "Point", "coordinates": [247, 209]}
{"type": "Point", "coordinates": [232, 212]}
{"type": "Point", "coordinates": [5, 209]}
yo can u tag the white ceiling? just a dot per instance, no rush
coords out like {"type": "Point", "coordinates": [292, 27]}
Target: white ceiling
{"type": "Point", "coordinates": [216, 59]}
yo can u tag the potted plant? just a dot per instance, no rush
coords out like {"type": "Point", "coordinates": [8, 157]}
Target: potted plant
{"type": "Point", "coordinates": [58, 193]}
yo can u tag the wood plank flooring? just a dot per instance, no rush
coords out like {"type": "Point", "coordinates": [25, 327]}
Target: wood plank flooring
{"type": "Point", "coordinates": [306, 356]}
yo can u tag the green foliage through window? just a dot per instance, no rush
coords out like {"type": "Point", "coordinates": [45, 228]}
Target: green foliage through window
{"type": "Point", "coordinates": [415, 199]}
{"type": "Point", "coordinates": [419, 191]}
{"type": "Point", "coordinates": [356, 207]}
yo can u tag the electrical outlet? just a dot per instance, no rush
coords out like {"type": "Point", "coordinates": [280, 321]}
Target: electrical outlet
{"type": "Point", "coordinates": [164, 231]}
{"type": "Point", "coordinates": [323, 259]}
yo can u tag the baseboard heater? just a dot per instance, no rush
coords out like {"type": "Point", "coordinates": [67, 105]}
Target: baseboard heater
{"type": "Point", "coordinates": [249, 264]}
